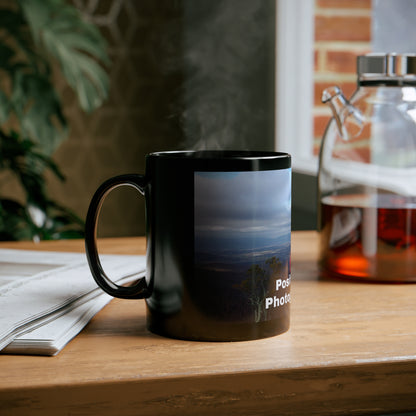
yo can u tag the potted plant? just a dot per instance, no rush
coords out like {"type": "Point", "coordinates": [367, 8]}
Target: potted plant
{"type": "Point", "coordinates": [37, 38]}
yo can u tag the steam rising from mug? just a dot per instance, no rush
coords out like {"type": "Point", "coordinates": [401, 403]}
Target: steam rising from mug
{"type": "Point", "coordinates": [228, 88]}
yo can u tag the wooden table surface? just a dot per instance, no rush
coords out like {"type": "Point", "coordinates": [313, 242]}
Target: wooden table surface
{"type": "Point", "coordinates": [351, 349]}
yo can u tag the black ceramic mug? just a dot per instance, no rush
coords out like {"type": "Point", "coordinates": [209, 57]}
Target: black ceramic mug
{"type": "Point", "coordinates": [218, 243]}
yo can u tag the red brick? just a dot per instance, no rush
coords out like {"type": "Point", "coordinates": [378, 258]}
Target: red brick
{"type": "Point", "coordinates": [345, 150]}
{"type": "Point", "coordinates": [351, 152]}
{"type": "Point", "coordinates": [316, 59]}
{"type": "Point", "coordinates": [366, 132]}
{"type": "Point", "coordinates": [341, 61]}
{"type": "Point", "coordinates": [344, 28]}
{"type": "Point", "coordinates": [356, 148]}
{"type": "Point", "coordinates": [319, 125]}
{"type": "Point", "coordinates": [344, 4]}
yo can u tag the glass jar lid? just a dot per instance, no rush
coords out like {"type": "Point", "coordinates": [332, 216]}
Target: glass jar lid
{"type": "Point", "coordinates": [386, 68]}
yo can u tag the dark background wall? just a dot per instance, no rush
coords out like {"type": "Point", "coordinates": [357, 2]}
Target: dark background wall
{"type": "Point", "coordinates": [184, 74]}
{"type": "Point", "coordinates": [304, 202]}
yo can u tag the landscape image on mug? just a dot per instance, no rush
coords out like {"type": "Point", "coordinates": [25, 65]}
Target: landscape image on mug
{"type": "Point", "coordinates": [242, 241]}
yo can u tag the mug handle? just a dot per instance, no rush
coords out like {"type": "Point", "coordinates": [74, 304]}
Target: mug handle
{"type": "Point", "coordinates": [140, 289]}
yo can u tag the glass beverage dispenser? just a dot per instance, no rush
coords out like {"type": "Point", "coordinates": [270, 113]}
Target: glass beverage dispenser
{"type": "Point", "coordinates": [367, 174]}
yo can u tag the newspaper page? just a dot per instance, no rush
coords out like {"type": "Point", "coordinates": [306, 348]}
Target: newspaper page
{"type": "Point", "coordinates": [46, 298]}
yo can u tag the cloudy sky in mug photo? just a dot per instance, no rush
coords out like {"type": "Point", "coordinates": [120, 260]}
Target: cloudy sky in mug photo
{"type": "Point", "coordinates": [242, 214]}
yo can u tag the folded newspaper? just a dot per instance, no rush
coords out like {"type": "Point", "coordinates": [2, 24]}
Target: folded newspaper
{"type": "Point", "coordinates": [46, 298]}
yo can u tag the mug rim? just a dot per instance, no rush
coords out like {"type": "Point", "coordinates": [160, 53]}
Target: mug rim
{"type": "Point", "coordinates": [220, 160]}
{"type": "Point", "coordinates": [220, 154]}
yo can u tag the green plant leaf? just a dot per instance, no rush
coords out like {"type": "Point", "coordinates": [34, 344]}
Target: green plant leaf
{"type": "Point", "coordinates": [28, 165]}
{"type": "Point", "coordinates": [77, 45]}
{"type": "Point", "coordinates": [6, 54]}
{"type": "Point", "coordinates": [40, 217]}
{"type": "Point", "coordinates": [34, 33]}
{"type": "Point", "coordinates": [17, 37]}
{"type": "Point", "coordinates": [12, 21]}
{"type": "Point", "coordinates": [14, 222]}
{"type": "Point", "coordinates": [38, 108]}
{"type": "Point", "coordinates": [4, 107]}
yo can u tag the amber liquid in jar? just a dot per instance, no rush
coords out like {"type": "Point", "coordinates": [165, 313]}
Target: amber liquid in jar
{"type": "Point", "coordinates": [369, 237]}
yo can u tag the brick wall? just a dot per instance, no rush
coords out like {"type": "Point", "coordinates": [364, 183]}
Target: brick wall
{"type": "Point", "coordinates": [342, 32]}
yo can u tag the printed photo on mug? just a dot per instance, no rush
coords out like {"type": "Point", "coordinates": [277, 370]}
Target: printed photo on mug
{"type": "Point", "coordinates": [242, 242]}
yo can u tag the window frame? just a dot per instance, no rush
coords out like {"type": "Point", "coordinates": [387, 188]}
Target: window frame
{"type": "Point", "coordinates": [294, 83]}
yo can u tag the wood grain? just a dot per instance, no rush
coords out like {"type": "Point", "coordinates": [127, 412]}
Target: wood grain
{"type": "Point", "coordinates": [351, 349]}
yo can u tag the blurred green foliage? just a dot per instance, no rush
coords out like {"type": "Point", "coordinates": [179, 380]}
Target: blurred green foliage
{"type": "Point", "coordinates": [36, 38]}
